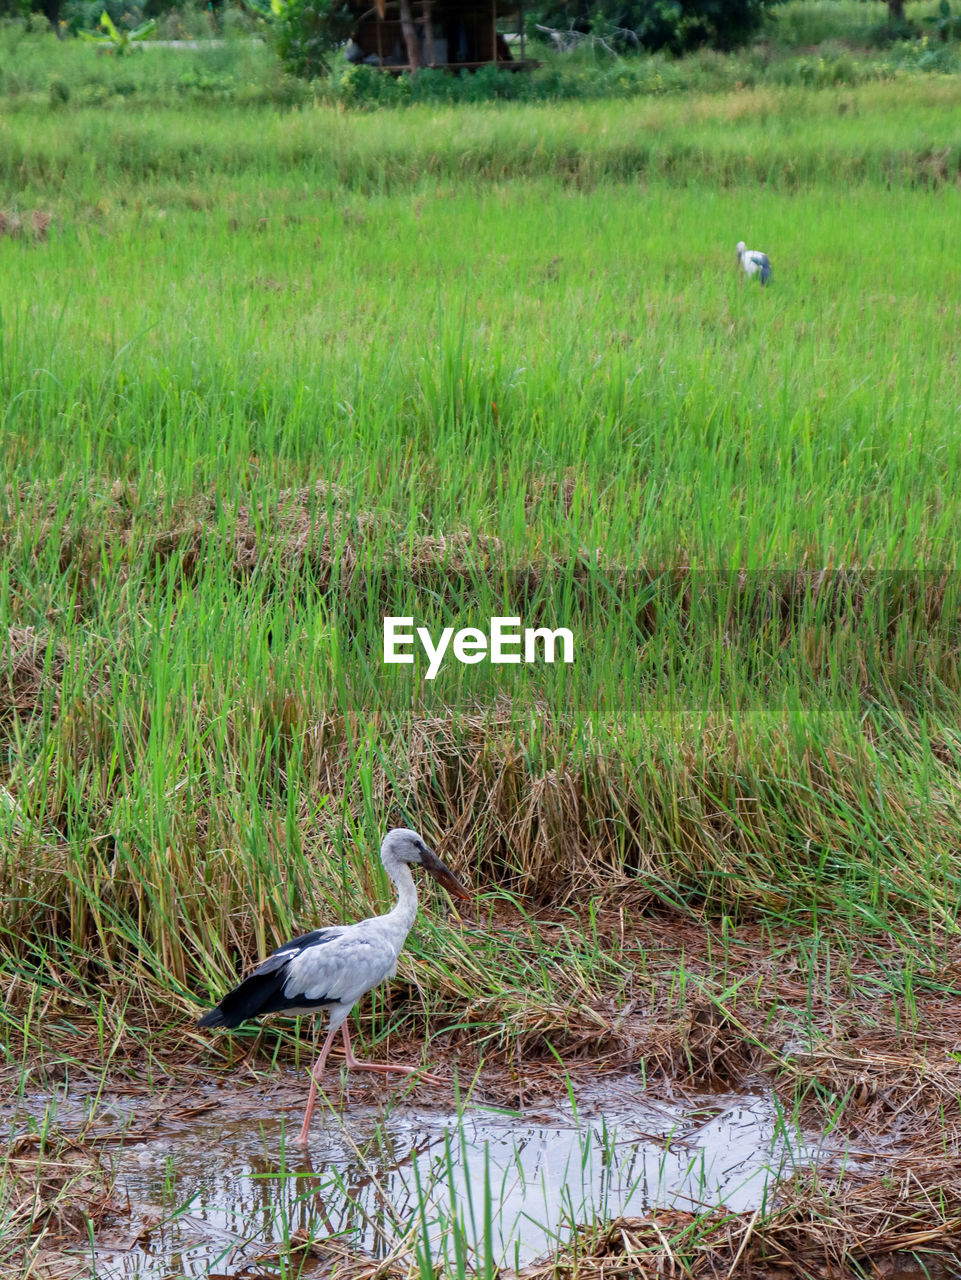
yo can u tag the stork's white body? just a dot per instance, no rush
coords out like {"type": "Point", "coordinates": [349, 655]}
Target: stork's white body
{"type": "Point", "coordinates": [347, 961]}
{"type": "Point", "coordinates": [332, 968]}
{"type": "Point", "coordinates": [754, 262]}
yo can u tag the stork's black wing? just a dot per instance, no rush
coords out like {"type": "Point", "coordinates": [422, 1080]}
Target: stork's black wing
{"type": "Point", "coordinates": [263, 991]}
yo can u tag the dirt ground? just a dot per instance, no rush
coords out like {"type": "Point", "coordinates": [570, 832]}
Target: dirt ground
{"type": "Point", "coordinates": [836, 1049]}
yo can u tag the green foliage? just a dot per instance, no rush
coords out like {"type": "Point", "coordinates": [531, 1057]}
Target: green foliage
{"type": "Point", "coordinates": [823, 71]}
{"type": "Point", "coordinates": [311, 30]}
{"type": "Point", "coordinates": [920, 55]}
{"type": "Point", "coordinates": [308, 33]}
{"type": "Point", "coordinates": [945, 22]}
{"type": "Point", "coordinates": [362, 87]}
{"type": "Point", "coordinates": [116, 40]}
{"type": "Point", "coordinates": [268, 10]}
{"type": "Point", "coordinates": [677, 25]}
{"type": "Point", "coordinates": [805, 23]}
{"type": "Point", "coordinates": [184, 20]}
{"type": "Point", "coordinates": [242, 71]}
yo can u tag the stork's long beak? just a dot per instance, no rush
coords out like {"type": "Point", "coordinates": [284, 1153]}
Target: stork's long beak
{"type": "Point", "coordinates": [430, 862]}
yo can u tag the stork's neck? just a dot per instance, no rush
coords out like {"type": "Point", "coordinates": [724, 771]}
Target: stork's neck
{"type": "Point", "coordinates": [405, 908]}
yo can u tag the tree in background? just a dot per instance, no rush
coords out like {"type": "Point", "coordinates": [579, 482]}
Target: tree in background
{"type": "Point", "coordinates": [309, 32]}
{"type": "Point", "coordinates": [677, 25]}
{"type": "Point", "coordinates": [23, 8]}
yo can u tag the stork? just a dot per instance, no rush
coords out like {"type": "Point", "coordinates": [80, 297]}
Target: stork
{"type": "Point", "coordinates": [332, 968]}
{"type": "Point", "coordinates": [753, 261]}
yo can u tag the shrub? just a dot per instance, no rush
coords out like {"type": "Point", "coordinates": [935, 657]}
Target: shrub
{"type": "Point", "coordinates": [922, 55]}
{"type": "Point", "coordinates": [308, 32]}
{"type": "Point", "coordinates": [814, 22]}
{"type": "Point", "coordinates": [360, 86]}
{"type": "Point", "coordinates": [675, 25]}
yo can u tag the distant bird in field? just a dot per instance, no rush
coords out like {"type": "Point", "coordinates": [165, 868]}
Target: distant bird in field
{"type": "Point", "coordinates": [753, 261]}
{"type": "Point", "coordinates": [332, 968]}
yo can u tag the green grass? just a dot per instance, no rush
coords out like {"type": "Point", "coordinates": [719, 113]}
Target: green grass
{"type": "Point", "coordinates": [273, 376]}
{"type": "Point", "coordinates": [226, 284]}
{"type": "Point", "coordinates": [782, 137]}
{"type": "Point", "coordinates": [816, 21]}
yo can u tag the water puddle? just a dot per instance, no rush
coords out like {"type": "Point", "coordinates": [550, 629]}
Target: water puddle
{"type": "Point", "coordinates": [219, 1195]}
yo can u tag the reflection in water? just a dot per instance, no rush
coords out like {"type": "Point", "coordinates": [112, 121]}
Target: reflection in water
{"type": "Point", "coordinates": [501, 1186]}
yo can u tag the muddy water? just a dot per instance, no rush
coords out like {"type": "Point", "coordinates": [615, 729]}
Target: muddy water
{"type": "Point", "coordinates": [214, 1195]}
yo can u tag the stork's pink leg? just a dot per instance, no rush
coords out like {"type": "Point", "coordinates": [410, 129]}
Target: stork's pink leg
{"type": "Point", "coordinates": [316, 1072]}
{"type": "Point", "coordinates": [386, 1068]}
{"type": "Point", "coordinates": [352, 1063]}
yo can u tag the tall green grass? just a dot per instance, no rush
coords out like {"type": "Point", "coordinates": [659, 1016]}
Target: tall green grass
{"type": "Point", "coordinates": [782, 137]}
{"type": "Point", "coordinates": [587, 370]}
{"type": "Point", "coordinates": [813, 22]}
{"type": "Point", "coordinates": [272, 378]}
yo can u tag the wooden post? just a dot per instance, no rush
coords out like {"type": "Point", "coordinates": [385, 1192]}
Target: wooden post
{"type": "Point", "coordinates": [494, 29]}
{"type": "Point", "coordinates": [380, 42]}
{"type": "Point", "coordinates": [523, 55]}
{"type": "Point", "coordinates": [430, 56]}
{"type": "Point", "coordinates": [410, 36]}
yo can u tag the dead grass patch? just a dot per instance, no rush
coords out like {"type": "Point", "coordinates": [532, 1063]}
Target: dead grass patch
{"type": "Point", "coordinates": [882, 1088]}
{"type": "Point", "coordinates": [30, 662]}
{"type": "Point", "coordinates": [34, 225]}
{"type": "Point", "coordinates": [53, 1195]}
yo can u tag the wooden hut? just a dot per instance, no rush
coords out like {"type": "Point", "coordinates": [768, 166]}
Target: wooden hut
{"type": "Point", "coordinates": [404, 35]}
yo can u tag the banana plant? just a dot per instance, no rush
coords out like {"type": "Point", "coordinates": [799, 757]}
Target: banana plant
{"type": "Point", "coordinates": [946, 22]}
{"type": "Point", "coordinates": [115, 41]}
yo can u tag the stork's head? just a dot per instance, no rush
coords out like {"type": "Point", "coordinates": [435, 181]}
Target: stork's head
{"type": "Point", "coordinates": [406, 846]}
{"type": "Point", "coordinates": [741, 249]}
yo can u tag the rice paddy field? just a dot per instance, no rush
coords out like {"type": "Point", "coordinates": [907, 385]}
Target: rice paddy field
{"type": "Point", "coordinates": [268, 378]}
